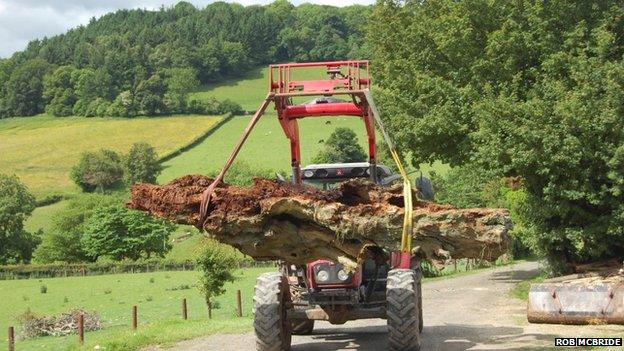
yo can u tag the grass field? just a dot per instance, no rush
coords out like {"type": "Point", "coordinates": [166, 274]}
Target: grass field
{"type": "Point", "coordinates": [250, 89]}
{"type": "Point", "coordinates": [158, 296]}
{"type": "Point", "coordinates": [42, 217]}
{"type": "Point", "coordinates": [267, 146]}
{"type": "Point", "coordinates": [41, 150]}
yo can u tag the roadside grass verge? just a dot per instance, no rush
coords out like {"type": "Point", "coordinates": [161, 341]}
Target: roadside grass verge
{"type": "Point", "coordinates": [463, 269]}
{"type": "Point", "coordinates": [521, 289]}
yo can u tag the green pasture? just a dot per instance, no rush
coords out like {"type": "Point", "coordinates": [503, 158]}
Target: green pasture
{"type": "Point", "coordinates": [41, 150]}
{"type": "Point", "coordinates": [42, 217]}
{"type": "Point", "coordinates": [158, 296]}
{"type": "Point", "coordinates": [250, 89]}
{"type": "Point", "coordinates": [266, 148]}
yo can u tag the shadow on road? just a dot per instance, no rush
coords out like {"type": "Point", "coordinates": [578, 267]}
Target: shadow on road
{"type": "Point", "coordinates": [514, 276]}
{"type": "Point", "coordinates": [450, 337]}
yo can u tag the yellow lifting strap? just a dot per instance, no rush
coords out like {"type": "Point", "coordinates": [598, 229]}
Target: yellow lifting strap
{"type": "Point", "coordinates": [406, 236]}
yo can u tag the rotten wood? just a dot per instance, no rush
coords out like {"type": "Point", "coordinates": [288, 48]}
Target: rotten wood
{"type": "Point", "coordinates": [271, 220]}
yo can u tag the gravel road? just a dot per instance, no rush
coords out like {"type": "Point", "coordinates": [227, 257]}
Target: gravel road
{"type": "Point", "coordinates": [469, 312]}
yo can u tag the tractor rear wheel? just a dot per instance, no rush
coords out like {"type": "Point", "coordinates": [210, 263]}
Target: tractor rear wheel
{"type": "Point", "coordinates": [270, 303]}
{"type": "Point", "coordinates": [403, 312]}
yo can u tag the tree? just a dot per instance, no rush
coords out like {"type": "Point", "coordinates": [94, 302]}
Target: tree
{"type": "Point", "coordinates": [180, 82]}
{"type": "Point", "coordinates": [16, 204]}
{"type": "Point", "coordinates": [124, 105]}
{"type": "Point", "coordinates": [149, 96]}
{"type": "Point", "coordinates": [63, 243]}
{"type": "Point", "coordinates": [101, 170]}
{"type": "Point", "coordinates": [141, 164]}
{"type": "Point", "coordinates": [24, 89]}
{"type": "Point", "coordinates": [131, 50]}
{"type": "Point", "coordinates": [216, 266]}
{"type": "Point", "coordinates": [342, 146]}
{"type": "Point", "coordinates": [58, 91]}
{"type": "Point", "coordinates": [118, 233]}
{"type": "Point", "coordinates": [528, 90]}
{"type": "Point", "coordinates": [90, 85]}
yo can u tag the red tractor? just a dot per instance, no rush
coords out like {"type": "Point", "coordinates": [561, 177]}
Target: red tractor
{"type": "Point", "coordinates": [289, 301]}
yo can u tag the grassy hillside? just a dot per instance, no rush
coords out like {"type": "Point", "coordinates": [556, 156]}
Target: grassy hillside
{"type": "Point", "coordinates": [157, 296]}
{"type": "Point", "coordinates": [42, 217]}
{"type": "Point", "coordinates": [267, 147]}
{"type": "Point", "coordinates": [41, 150]}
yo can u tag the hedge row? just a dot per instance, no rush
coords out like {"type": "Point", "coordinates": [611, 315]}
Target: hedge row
{"type": "Point", "coordinates": [198, 140]}
{"type": "Point", "coordinates": [31, 271]}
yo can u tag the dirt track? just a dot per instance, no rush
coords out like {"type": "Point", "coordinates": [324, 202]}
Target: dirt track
{"type": "Point", "coordinates": [471, 312]}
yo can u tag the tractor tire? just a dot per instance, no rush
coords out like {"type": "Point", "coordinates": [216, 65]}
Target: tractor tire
{"type": "Point", "coordinates": [302, 327]}
{"type": "Point", "coordinates": [270, 303]}
{"type": "Point", "coordinates": [402, 309]}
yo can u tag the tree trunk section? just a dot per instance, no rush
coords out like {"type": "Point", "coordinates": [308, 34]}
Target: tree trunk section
{"type": "Point", "coordinates": [271, 220]}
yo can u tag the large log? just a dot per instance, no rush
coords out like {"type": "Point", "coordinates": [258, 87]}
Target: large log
{"type": "Point", "coordinates": [272, 220]}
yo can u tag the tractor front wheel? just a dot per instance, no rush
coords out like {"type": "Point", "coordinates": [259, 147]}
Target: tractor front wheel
{"type": "Point", "coordinates": [270, 304]}
{"type": "Point", "coordinates": [403, 310]}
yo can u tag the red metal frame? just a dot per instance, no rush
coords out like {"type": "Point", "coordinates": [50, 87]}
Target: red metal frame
{"type": "Point", "coordinates": [345, 78]}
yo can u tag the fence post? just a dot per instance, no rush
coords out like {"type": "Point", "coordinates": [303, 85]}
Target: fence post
{"type": "Point", "coordinates": [239, 304]}
{"type": "Point", "coordinates": [184, 310]}
{"type": "Point", "coordinates": [81, 328]}
{"type": "Point", "coordinates": [134, 318]}
{"type": "Point", "coordinates": [11, 339]}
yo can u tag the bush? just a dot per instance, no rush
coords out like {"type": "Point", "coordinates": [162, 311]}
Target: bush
{"type": "Point", "coordinates": [141, 164]}
{"type": "Point", "coordinates": [342, 146]}
{"type": "Point", "coordinates": [119, 233]}
{"type": "Point", "coordinates": [100, 171]}
{"type": "Point", "coordinates": [32, 271]}
{"type": "Point", "coordinates": [213, 106]}
{"type": "Point", "coordinates": [63, 243]}
{"type": "Point", "coordinates": [242, 174]}
{"type": "Point", "coordinates": [49, 200]}
{"type": "Point", "coordinates": [122, 106]}
{"type": "Point", "coordinates": [16, 204]}
{"type": "Point", "coordinates": [217, 267]}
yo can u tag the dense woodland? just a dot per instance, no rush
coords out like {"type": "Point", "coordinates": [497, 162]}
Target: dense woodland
{"type": "Point", "coordinates": [139, 62]}
{"type": "Point", "coordinates": [525, 99]}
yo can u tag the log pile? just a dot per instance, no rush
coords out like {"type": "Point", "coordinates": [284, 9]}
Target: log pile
{"type": "Point", "coordinates": [272, 220]}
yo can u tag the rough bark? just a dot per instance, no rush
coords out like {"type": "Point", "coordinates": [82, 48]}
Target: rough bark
{"type": "Point", "coordinates": [272, 220]}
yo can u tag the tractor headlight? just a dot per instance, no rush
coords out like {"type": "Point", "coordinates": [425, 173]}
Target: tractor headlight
{"type": "Point", "coordinates": [322, 276]}
{"type": "Point", "coordinates": [308, 173]}
{"type": "Point", "coordinates": [343, 275]}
